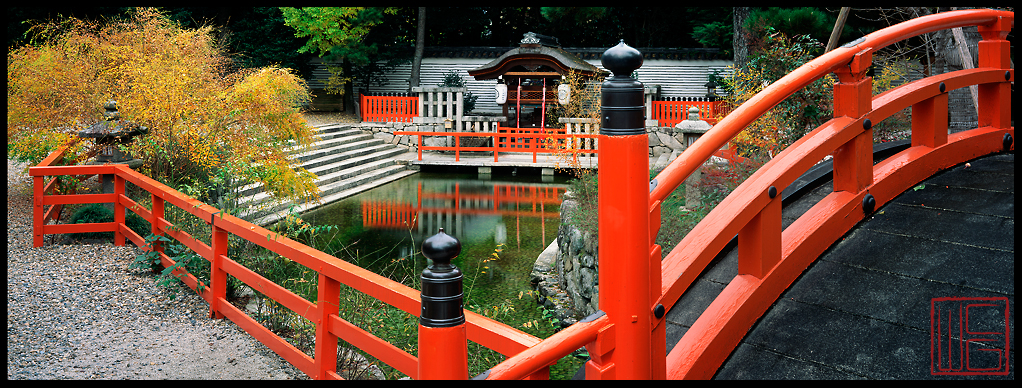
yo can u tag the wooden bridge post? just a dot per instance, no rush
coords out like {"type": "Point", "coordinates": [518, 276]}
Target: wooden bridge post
{"type": "Point", "coordinates": [443, 340]}
{"type": "Point", "coordinates": [625, 350]}
{"type": "Point", "coordinates": [995, 51]}
{"type": "Point", "coordinates": [853, 97]}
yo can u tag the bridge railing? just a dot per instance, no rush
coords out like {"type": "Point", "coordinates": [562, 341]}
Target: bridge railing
{"type": "Point", "coordinates": [332, 272]}
{"type": "Point", "coordinates": [769, 259]}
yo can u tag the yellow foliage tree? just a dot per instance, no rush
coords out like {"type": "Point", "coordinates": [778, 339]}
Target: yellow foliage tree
{"type": "Point", "coordinates": [206, 119]}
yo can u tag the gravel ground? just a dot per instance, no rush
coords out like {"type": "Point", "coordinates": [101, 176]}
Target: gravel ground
{"type": "Point", "coordinates": [78, 312]}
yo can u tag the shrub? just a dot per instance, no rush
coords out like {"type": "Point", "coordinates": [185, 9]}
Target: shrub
{"type": "Point", "coordinates": [99, 213]}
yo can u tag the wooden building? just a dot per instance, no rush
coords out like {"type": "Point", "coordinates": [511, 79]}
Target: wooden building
{"type": "Point", "coordinates": [675, 72]}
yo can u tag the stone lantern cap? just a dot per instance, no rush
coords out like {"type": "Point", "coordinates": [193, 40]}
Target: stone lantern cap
{"type": "Point", "coordinates": [112, 128]}
{"type": "Point", "coordinates": [692, 124]}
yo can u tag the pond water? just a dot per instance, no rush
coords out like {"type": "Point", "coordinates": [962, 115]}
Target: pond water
{"type": "Point", "coordinates": [503, 223]}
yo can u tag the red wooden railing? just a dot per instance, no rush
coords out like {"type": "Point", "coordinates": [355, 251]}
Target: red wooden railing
{"type": "Point", "coordinates": [505, 139]}
{"type": "Point", "coordinates": [384, 109]}
{"type": "Point", "coordinates": [769, 259]}
{"type": "Point", "coordinates": [671, 112]}
{"type": "Point", "coordinates": [332, 272]}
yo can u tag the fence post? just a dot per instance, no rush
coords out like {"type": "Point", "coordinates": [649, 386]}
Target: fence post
{"type": "Point", "coordinates": [157, 214]}
{"type": "Point", "coordinates": [624, 257]}
{"type": "Point", "coordinates": [217, 275]}
{"type": "Point", "coordinates": [328, 300]}
{"type": "Point", "coordinates": [118, 209]}
{"type": "Point", "coordinates": [443, 346]}
{"type": "Point", "coordinates": [38, 183]}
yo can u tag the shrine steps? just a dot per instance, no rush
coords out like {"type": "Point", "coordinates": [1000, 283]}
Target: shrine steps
{"type": "Point", "coordinates": [346, 162]}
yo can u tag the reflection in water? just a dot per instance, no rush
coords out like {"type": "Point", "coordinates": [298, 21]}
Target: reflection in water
{"type": "Point", "coordinates": [465, 209]}
{"type": "Point", "coordinates": [386, 224]}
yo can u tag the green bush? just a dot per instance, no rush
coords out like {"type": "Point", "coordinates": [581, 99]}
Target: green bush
{"type": "Point", "coordinates": [98, 213]}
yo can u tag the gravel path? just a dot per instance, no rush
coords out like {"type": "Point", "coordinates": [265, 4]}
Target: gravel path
{"type": "Point", "coordinates": [78, 312]}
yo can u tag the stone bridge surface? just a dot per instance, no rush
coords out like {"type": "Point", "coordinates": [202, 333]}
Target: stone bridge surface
{"type": "Point", "coordinates": [863, 309]}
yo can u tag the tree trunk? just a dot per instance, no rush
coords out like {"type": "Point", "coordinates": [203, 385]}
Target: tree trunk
{"type": "Point", "coordinates": [420, 47]}
{"type": "Point", "coordinates": [740, 43]}
{"type": "Point", "coordinates": [349, 92]}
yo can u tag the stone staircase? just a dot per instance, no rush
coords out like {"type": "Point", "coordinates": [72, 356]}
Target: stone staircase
{"type": "Point", "coordinates": [346, 162]}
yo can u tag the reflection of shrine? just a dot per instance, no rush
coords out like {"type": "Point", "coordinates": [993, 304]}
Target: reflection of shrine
{"type": "Point", "coordinates": [434, 210]}
{"type": "Point", "coordinates": [528, 79]}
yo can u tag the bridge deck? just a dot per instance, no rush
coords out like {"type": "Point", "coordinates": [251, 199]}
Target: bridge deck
{"type": "Point", "coordinates": [862, 310]}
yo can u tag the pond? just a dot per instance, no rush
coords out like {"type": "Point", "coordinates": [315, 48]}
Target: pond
{"type": "Point", "coordinates": [503, 224]}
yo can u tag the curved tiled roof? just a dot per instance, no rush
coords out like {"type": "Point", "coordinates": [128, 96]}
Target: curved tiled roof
{"type": "Point", "coordinates": [561, 59]}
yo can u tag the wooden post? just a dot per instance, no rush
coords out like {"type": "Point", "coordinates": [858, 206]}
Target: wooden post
{"type": "Point", "coordinates": [37, 211]}
{"type": "Point", "coordinates": [328, 299]}
{"type": "Point", "coordinates": [853, 161]}
{"type": "Point", "coordinates": [217, 275]}
{"type": "Point", "coordinates": [443, 343]}
{"type": "Point", "coordinates": [118, 209]}
{"type": "Point", "coordinates": [624, 258]}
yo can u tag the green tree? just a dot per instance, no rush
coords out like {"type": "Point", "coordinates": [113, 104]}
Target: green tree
{"type": "Point", "coordinates": [346, 34]}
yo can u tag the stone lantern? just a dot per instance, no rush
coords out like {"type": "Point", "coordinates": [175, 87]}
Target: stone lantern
{"type": "Point", "coordinates": [691, 129]}
{"type": "Point", "coordinates": [109, 134]}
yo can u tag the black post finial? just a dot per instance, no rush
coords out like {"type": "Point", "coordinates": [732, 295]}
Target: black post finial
{"type": "Point", "coordinates": [621, 101]}
{"type": "Point", "coordinates": [441, 283]}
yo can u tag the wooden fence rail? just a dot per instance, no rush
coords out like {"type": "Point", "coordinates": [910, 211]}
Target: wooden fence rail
{"type": "Point", "coordinates": [332, 272]}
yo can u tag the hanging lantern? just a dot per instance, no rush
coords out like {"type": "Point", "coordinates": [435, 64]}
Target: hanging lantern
{"type": "Point", "coordinates": [501, 93]}
{"type": "Point", "coordinates": [563, 94]}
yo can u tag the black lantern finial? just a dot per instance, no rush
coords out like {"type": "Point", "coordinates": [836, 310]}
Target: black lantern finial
{"type": "Point", "coordinates": [441, 283]}
{"type": "Point", "coordinates": [621, 100]}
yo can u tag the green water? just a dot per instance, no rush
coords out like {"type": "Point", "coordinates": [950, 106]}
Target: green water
{"type": "Point", "coordinates": [503, 224]}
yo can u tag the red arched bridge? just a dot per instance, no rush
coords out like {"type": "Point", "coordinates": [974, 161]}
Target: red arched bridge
{"type": "Point", "coordinates": [641, 289]}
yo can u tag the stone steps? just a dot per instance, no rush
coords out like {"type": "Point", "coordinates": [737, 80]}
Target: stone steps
{"type": "Point", "coordinates": [345, 161]}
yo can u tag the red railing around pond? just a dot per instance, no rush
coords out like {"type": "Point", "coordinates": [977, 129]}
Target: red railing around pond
{"type": "Point", "coordinates": [505, 139]}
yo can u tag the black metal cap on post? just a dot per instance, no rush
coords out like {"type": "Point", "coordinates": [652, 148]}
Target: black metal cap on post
{"type": "Point", "coordinates": [441, 283]}
{"type": "Point", "coordinates": [621, 100]}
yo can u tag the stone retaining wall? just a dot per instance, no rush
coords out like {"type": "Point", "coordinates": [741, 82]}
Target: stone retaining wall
{"type": "Point", "coordinates": [566, 274]}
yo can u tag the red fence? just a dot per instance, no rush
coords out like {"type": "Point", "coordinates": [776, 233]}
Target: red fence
{"type": "Point", "coordinates": [674, 110]}
{"type": "Point", "coordinates": [505, 139]}
{"type": "Point", "coordinates": [332, 272]}
{"type": "Point", "coordinates": [389, 108]}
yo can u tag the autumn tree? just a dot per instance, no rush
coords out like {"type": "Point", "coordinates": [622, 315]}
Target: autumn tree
{"type": "Point", "coordinates": [209, 123]}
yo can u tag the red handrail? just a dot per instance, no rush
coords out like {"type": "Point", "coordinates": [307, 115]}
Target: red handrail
{"type": "Point", "coordinates": [332, 272]}
{"type": "Point", "coordinates": [770, 260]}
